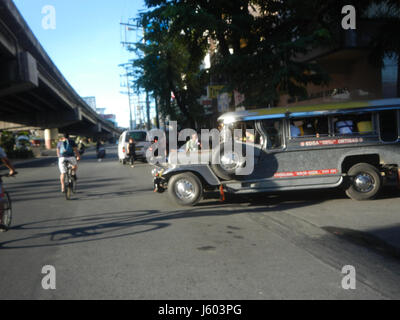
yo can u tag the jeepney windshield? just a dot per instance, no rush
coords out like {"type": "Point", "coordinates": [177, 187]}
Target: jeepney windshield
{"type": "Point", "coordinates": [244, 131]}
{"type": "Point", "coordinates": [273, 129]}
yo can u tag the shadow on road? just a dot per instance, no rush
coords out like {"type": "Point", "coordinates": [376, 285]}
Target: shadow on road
{"type": "Point", "coordinates": [36, 163]}
{"type": "Point", "coordinates": [373, 239]}
{"type": "Point", "coordinates": [96, 227]}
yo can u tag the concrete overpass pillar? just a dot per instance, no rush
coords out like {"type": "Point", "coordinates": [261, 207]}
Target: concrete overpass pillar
{"type": "Point", "coordinates": [50, 135]}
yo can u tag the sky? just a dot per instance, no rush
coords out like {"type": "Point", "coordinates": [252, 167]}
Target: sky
{"type": "Point", "coordinates": [85, 45]}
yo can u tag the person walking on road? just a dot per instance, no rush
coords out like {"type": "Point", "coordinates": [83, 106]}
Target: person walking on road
{"type": "Point", "coordinates": [101, 150]}
{"type": "Point", "coordinates": [81, 147]}
{"type": "Point", "coordinates": [131, 151]}
{"type": "Point", "coordinates": [67, 150]}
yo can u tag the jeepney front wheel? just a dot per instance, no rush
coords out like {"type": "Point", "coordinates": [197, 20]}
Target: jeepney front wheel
{"type": "Point", "coordinates": [185, 189]}
{"type": "Point", "coordinates": [365, 182]}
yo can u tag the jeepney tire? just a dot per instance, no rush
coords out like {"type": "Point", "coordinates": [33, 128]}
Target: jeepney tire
{"type": "Point", "coordinates": [372, 186]}
{"type": "Point", "coordinates": [221, 172]}
{"type": "Point", "coordinates": [194, 182]}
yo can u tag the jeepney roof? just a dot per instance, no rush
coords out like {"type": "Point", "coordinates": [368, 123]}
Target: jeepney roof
{"type": "Point", "coordinates": [311, 110]}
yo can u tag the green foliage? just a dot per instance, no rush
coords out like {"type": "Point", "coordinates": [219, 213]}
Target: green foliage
{"type": "Point", "coordinates": [169, 62]}
{"type": "Point", "coordinates": [7, 141]}
{"type": "Point", "coordinates": [257, 47]}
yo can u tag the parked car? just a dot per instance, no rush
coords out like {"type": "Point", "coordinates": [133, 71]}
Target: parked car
{"type": "Point", "coordinates": [142, 143]}
{"type": "Point", "coordinates": [355, 145]}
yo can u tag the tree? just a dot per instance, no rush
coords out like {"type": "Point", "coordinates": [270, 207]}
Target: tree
{"type": "Point", "coordinates": [384, 43]}
{"type": "Point", "coordinates": [256, 42]}
{"type": "Point", "coordinates": [169, 63]}
{"type": "Point", "coordinates": [256, 46]}
{"type": "Point", "coordinates": [7, 141]}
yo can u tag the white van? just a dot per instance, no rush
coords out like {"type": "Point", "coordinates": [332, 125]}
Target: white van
{"type": "Point", "coordinates": [141, 140]}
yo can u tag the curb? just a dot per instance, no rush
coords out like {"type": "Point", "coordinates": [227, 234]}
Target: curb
{"type": "Point", "coordinates": [18, 163]}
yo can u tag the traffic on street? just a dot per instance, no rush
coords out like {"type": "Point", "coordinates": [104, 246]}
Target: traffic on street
{"type": "Point", "coordinates": [199, 155]}
{"type": "Point", "coordinates": [117, 239]}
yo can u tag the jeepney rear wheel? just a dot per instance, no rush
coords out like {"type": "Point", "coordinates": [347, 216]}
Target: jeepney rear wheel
{"type": "Point", "coordinates": [185, 189]}
{"type": "Point", "coordinates": [365, 182]}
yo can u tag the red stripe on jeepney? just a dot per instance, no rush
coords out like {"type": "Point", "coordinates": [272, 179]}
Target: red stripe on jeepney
{"type": "Point", "coordinates": [305, 173]}
{"type": "Point", "coordinates": [330, 142]}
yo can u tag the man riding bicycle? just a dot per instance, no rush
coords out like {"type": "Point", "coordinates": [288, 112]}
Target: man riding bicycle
{"type": "Point", "coordinates": [9, 165]}
{"type": "Point", "coordinates": [67, 150]}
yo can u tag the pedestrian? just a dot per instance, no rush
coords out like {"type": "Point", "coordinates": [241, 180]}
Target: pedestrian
{"type": "Point", "coordinates": [131, 151]}
{"type": "Point", "coordinates": [101, 150]}
{"type": "Point", "coordinates": [81, 147]}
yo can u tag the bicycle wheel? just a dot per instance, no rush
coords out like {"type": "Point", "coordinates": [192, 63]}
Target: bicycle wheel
{"type": "Point", "coordinates": [67, 188]}
{"type": "Point", "coordinates": [68, 192]}
{"type": "Point", "coordinates": [7, 211]}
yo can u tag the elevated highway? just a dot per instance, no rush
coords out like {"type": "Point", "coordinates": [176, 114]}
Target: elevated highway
{"type": "Point", "coordinates": [33, 92]}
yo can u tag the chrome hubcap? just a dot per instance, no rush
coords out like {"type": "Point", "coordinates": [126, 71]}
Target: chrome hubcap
{"type": "Point", "coordinates": [184, 189]}
{"type": "Point", "coordinates": [364, 182]}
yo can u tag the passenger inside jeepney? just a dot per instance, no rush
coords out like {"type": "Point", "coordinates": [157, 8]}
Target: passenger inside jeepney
{"type": "Point", "coordinates": [296, 128]}
{"type": "Point", "coordinates": [309, 127]}
{"type": "Point", "coordinates": [354, 123]}
{"type": "Point", "coordinates": [344, 125]}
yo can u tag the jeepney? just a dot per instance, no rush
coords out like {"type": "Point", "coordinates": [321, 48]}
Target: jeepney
{"type": "Point", "coordinates": [353, 144]}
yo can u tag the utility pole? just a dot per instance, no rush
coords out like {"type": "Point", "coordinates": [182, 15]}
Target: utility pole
{"type": "Point", "coordinates": [139, 115]}
{"type": "Point", "coordinates": [129, 93]}
{"type": "Point", "coordinates": [156, 100]}
{"type": "Point", "coordinates": [127, 27]}
{"type": "Point", "coordinates": [148, 110]}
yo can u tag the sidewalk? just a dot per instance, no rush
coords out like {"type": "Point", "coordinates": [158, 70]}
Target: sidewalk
{"type": "Point", "coordinates": [50, 155]}
{"type": "Point", "coordinates": [44, 155]}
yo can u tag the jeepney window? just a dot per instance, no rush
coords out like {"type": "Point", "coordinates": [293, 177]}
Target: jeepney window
{"type": "Point", "coordinates": [274, 132]}
{"type": "Point", "coordinates": [388, 125]}
{"type": "Point", "coordinates": [246, 132]}
{"type": "Point", "coordinates": [353, 124]}
{"type": "Point", "coordinates": [309, 127]}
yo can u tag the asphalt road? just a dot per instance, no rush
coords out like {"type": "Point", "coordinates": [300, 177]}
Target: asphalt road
{"type": "Point", "coordinates": [116, 239]}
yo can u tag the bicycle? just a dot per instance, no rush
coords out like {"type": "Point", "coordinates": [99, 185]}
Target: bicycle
{"type": "Point", "coordinates": [5, 202]}
{"type": "Point", "coordinates": [69, 181]}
